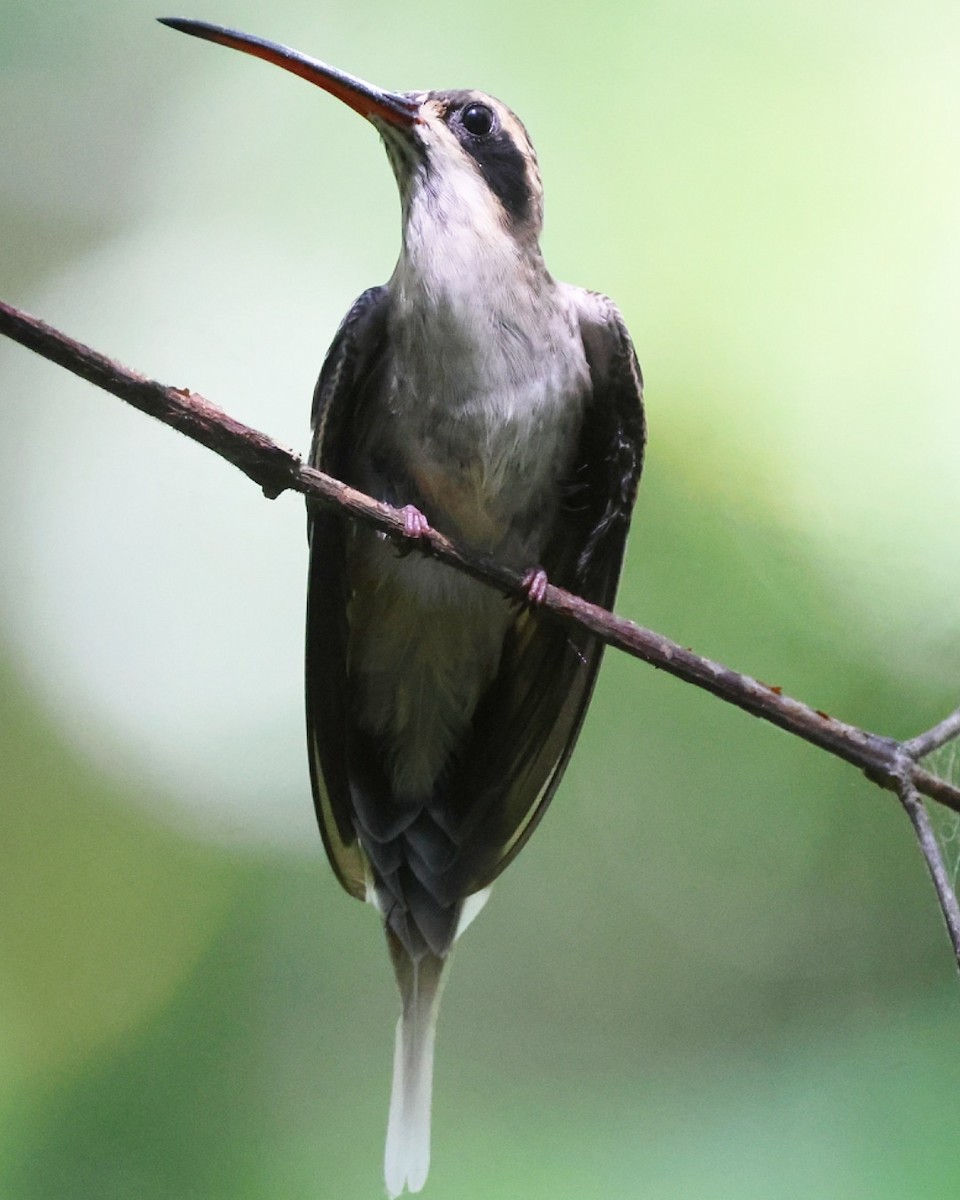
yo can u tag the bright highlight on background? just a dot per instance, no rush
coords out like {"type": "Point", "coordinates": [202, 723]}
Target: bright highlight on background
{"type": "Point", "coordinates": [716, 970]}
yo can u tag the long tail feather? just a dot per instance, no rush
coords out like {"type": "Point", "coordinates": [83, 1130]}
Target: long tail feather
{"type": "Point", "coordinates": [407, 1158]}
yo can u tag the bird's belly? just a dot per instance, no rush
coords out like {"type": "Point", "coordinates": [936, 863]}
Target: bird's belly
{"type": "Point", "coordinates": [486, 466]}
{"type": "Point", "coordinates": [460, 504]}
{"type": "Point", "coordinates": [425, 643]}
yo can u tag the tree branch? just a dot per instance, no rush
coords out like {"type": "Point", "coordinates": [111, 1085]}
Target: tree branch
{"type": "Point", "coordinates": [930, 848]}
{"type": "Point", "coordinates": [888, 763]}
{"type": "Point", "coordinates": [943, 732]}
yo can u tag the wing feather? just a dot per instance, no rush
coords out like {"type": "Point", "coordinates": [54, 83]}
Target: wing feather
{"type": "Point", "coordinates": [349, 370]}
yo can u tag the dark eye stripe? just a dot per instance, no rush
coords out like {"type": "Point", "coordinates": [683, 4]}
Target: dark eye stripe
{"type": "Point", "coordinates": [504, 168]}
{"type": "Point", "coordinates": [499, 159]}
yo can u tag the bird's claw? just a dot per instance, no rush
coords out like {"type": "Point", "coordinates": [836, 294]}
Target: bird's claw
{"type": "Point", "coordinates": [415, 524]}
{"type": "Point", "coordinates": [534, 586]}
{"type": "Point", "coordinates": [415, 527]}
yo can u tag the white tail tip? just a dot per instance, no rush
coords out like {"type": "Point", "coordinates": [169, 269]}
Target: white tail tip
{"type": "Point", "coordinates": [407, 1158]}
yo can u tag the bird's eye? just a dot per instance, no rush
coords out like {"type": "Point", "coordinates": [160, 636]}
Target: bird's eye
{"type": "Point", "coordinates": [477, 119]}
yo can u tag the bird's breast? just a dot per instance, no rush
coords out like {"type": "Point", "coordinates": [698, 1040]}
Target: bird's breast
{"type": "Point", "coordinates": [485, 412]}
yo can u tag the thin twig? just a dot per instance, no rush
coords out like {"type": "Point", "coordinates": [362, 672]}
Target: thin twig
{"type": "Point", "coordinates": [930, 848]}
{"type": "Point", "coordinates": [885, 761]}
{"type": "Point", "coordinates": [943, 732]}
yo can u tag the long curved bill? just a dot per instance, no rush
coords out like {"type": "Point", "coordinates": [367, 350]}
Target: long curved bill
{"type": "Point", "coordinates": [369, 101]}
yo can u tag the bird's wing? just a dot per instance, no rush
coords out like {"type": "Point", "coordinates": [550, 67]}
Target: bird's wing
{"type": "Point", "coordinates": [527, 723]}
{"type": "Point", "coordinates": [352, 366]}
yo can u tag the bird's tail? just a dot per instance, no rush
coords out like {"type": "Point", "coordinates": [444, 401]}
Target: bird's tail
{"type": "Point", "coordinates": [407, 1158]}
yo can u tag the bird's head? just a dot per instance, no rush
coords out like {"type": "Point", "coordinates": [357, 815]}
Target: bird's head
{"type": "Point", "coordinates": [447, 148]}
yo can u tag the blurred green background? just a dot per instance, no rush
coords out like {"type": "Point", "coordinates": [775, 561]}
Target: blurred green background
{"type": "Point", "coordinates": [718, 969]}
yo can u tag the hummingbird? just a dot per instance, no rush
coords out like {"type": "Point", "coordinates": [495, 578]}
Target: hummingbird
{"type": "Point", "coordinates": [503, 408]}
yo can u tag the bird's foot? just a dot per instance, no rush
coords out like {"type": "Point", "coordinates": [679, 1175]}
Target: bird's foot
{"type": "Point", "coordinates": [534, 587]}
{"type": "Point", "coordinates": [415, 524]}
{"type": "Point", "coordinates": [415, 527]}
